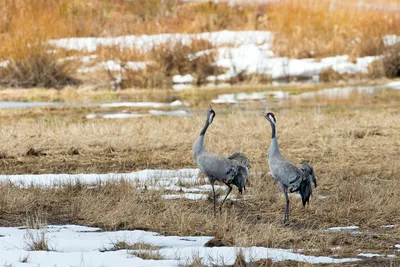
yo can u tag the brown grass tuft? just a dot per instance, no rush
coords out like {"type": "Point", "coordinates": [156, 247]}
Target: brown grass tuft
{"type": "Point", "coordinates": [32, 64]}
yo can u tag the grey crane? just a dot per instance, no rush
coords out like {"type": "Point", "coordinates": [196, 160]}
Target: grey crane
{"type": "Point", "coordinates": [288, 175]}
{"type": "Point", "coordinates": [229, 170]}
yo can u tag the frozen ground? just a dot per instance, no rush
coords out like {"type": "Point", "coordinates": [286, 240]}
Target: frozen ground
{"type": "Point", "coordinates": [74, 245]}
{"type": "Point", "coordinates": [144, 178]}
{"type": "Point", "coordinates": [238, 51]}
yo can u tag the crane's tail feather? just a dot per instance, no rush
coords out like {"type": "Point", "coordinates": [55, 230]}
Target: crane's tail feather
{"type": "Point", "coordinates": [240, 178]}
{"type": "Point", "coordinates": [305, 191]}
{"type": "Point", "coordinates": [306, 184]}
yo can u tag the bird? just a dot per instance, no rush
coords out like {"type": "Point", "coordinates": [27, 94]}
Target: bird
{"type": "Point", "coordinates": [232, 170]}
{"type": "Point", "coordinates": [288, 175]}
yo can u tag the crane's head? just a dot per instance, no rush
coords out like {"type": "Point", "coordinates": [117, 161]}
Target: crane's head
{"type": "Point", "coordinates": [210, 115]}
{"type": "Point", "coordinates": [270, 117]}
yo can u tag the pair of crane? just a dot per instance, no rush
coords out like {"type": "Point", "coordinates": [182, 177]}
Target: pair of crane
{"type": "Point", "coordinates": [233, 170]}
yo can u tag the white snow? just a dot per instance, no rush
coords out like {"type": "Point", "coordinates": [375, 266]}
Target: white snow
{"type": "Point", "coordinates": [159, 177]}
{"type": "Point", "coordinates": [187, 196]}
{"type": "Point", "coordinates": [147, 42]}
{"type": "Point", "coordinates": [252, 58]}
{"type": "Point", "coordinates": [370, 255]}
{"type": "Point", "coordinates": [4, 64]}
{"type": "Point", "coordinates": [83, 59]}
{"type": "Point", "coordinates": [141, 104]}
{"type": "Point", "coordinates": [388, 226]}
{"type": "Point", "coordinates": [391, 39]}
{"type": "Point", "coordinates": [116, 65]}
{"type": "Point", "coordinates": [238, 51]}
{"type": "Point", "coordinates": [236, 97]}
{"type": "Point", "coordinates": [85, 246]}
{"type": "Point", "coordinates": [182, 79]}
{"type": "Point", "coordinates": [225, 99]}
{"type": "Point", "coordinates": [120, 115]}
{"type": "Point", "coordinates": [341, 228]}
{"type": "Point", "coordinates": [397, 246]}
{"type": "Point", "coordinates": [393, 85]}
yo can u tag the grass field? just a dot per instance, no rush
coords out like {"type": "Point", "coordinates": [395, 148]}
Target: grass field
{"type": "Point", "coordinates": [354, 150]}
{"type": "Point", "coordinates": [352, 141]}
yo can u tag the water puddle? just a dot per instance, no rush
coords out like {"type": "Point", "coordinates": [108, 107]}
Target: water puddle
{"type": "Point", "coordinates": [281, 96]}
{"type": "Point", "coordinates": [22, 105]}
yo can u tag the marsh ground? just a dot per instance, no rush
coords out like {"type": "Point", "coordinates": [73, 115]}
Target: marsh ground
{"type": "Point", "coordinates": [353, 145]}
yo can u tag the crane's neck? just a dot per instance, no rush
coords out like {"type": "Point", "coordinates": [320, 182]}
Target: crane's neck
{"type": "Point", "coordinates": [203, 131]}
{"type": "Point", "coordinates": [199, 144]}
{"type": "Point", "coordinates": [274, 147]}
{"type": "Point", "coordinates": [273, 130]}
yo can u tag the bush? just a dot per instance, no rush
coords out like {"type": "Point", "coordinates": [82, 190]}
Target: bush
{"type": "Point", "coordinates": [389, 65]}
{"type": "Point", "coordinates": [34, 65]}
{"type": "Point", "coordinates": [167, 60]}
{"type": "Point", "coordinates": [391, 62]}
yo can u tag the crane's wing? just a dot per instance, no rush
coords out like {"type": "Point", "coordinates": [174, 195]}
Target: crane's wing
{"type": "Point", "coordinates": [216, 166]}
{"type": "Point", "coordinates": [287, 173]}
{"type": "Point", "coordinates": [240, 158]}
{"type": "Point", "coordinates": [223, 169]}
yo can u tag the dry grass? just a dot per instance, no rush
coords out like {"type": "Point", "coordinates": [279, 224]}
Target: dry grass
{"type": "Point", "coordinates": [36, 240]}
{"type": "Point", "coordinates": [303, 29]}
{"type": "Point", "coordinates": [354, 153]}
{"type": "Point", "coordinates": [165, 61]}
{"type": "Point", "coordinates": [31, 65]}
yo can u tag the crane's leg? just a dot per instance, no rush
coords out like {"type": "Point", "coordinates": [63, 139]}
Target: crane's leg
{"type": "Point", "coordinates": [213, 190]}
{"type": "Point", "coordinates": [227, 194]}
{"type": "Point", "coordinates": [284, 189]}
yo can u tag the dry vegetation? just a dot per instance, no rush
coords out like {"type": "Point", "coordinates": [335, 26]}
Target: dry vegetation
{"type": "Point", "coordinates": [354, 153]}
{"type": "Point", "coordinates": [304, 29]}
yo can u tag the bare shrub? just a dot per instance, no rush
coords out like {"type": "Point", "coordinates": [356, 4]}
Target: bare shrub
{"type": "Point", "coordinates": [391, 62]}
{"type": "Point", "coordinates": [329, 75]}
{"type": "Point", "coordinates": [31, 64]}
{"type": "Point", "coordinates": [167, 60]}
{"type": "Point", "coordinates": [389, 65]}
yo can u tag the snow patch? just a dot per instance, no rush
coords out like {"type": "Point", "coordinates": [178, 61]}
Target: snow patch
{"type": "Point", "coordinates": [388, 226]}
{"type": "Point", "coordinates": [187, 196]}
{"type": "Point", "coordinates": [236, 97]}
{"type": "Point", "coordinates": [79, 245]}
{"type": "Point", "coordinates": [4, 64]}
{"type": "Point", "coordinates": [141, 104]}
{"type": "Point", "coordinates": [391, 39]}
{"type": "Point", "coordinates": [343, 228]}
{"type": "Point", "coordinates": [145, 43]}
{"type": "Point", "coordinates": [159, 177]}
{"type": "Point", "coordinates": [182, 79]}
{"type": "Point", "coordinates": [394, 85]}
